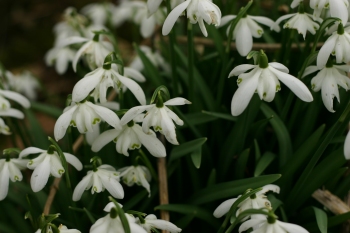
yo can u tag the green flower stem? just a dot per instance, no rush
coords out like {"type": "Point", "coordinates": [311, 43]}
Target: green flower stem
{"type": "Point", "coordinates": [148, 164]}
{"type": "Point", "coordinates": [190, 61]}
{"type": "Point", "coordinates": [172, 38]}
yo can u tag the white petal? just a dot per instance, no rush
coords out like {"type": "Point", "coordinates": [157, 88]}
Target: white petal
{"type": "Point", "coordinates": [310, 70]}
{"type": "Point", "coordinates": [12, 113]}
{"type": "Point", "coordinates": [85, 85]}
{"type": "Point", "coordinates": [81, 187]}
{"type": "Point", "coordinates": [30, 150]}
{"type": "Point", "coordinates": [325, 51]}
{"type": "Point", "coordinates": [152, 144]}
{"type": "Point", "coordinates": [244, 39]}
{"type": "Point", "coordinates": [263, 20]}
{"type": "Point", "coordinates": [251, 223]}
{"type": "Point", "coordinates": [147, 26]}
{"type": "Point", "coordinates": [291, 228]}
{"type": "Point", "coordinates": [294, 84]}
{"type": "Point", "coordinates": [280, 19]}
{"type": "Point", "coordinates": [329, 91]}
{"type": "Point", "coordinates": [241, 69]}
{"type": "Point", "coordinates": [163, 225]}
{"type": "Point", "coordinates": [168, 127]}
{"type": "Point", "coordinates": [104, 138]}
{"type": "Point", "coordinates": [347, 146]}
{"type": "Point", "coordinates": [40, 175]}
{"type": "Point", "coordinates": [172, 17]}
{"type": "Point", "coordinates": [153, 5]}
{"type": "Point", "coordinates": [107, 115]}
{"type": "Point", "coordinates": [270, 187]}
{"type": "Point", "coordinates": [71, 40]}
{"type": "Point", "coordinates": [279, 67]}
{"type": "Point", "coordinates": [339, 9]}
{"type": "Point", "coordinates": [226, 19]}
{"type": "Point", "coordinates": [4, 181]}
{"type": "Point", "coordinates": [134, 74]}
{"type": "Point", "coordinates": [79, 53]}
{"type": "Point", "coordinates": [133, 112]}
{"type": "Point", "coordinates": [202, 27]}
{"type": "Point", "coordinates": [63, 122]}
{"type": "Point", "coordinates": [134, 88]}
{"type": "Point", "coordinates": [177, 101]}
{"type": "Point", "coordinates": [23, 101]}
{"type": "Point", "coordinates": [224, 208]}
{"type": "Point", "coordinates": [113, 187]}
{"type": "Point", "coordinates": [74, 161]}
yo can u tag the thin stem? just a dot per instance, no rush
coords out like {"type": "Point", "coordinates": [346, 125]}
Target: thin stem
{"type": "Point", "coordinates": [148, 165]}
{"type": "Point", "coordinates": [190, 61]}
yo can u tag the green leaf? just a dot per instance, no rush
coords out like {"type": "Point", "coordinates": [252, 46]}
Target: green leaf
{"type": "Point", "coordinates": [198, 118]}
{"type": "Point", "coordinates": [221, 115]}
{"type": "Point", "coordinates": [231, 189]}
{"type": "Point", "coordinates": [212, 178]}
{"type": "Point", "coordinates": [194, 210]}
{"type": "Point", "coordinates": [264, 162]}
{"type": "Point", "coordinates": [241, 164]}
{"type": "Point", "coordinates": [213, 33]}
{"type": "Point", "coordinates": [196, 157]}
{"type": "Point", "coordinates": [322, 219]}
{"type": "Point", "coordinates": [36, 131]}
{"type": "Point", "coordinates": [186, 148]}
{"type": "Point", "coordinates": [151, 71]}
{"type": "Point", "coordinates": [257, 151]}
{"type": "Point", "coordinates": [47, 109]}
{"type": "Point", "coordinates": [282, 134]}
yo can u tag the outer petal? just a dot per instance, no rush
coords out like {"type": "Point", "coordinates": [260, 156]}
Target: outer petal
{"type": "Point", "coordinates": [224, 208]}
{"type": "Point", "coordinates": [113, 187]}
{"type": "Point", "coordinates": [30, 150]}
{"type": "Point", "coordinates": [12, 113]}
{"type": "Point", "coordinates": [163, 225]}
{"type": "Point", "coordinates": [152, 144]}
{"type": "Point", "coordinates": [81, 187]}
{"type": "Point", "coordinates": [153, 6]}
{"type": "Point", "coordinates": [79, 53]}
{"type": "Point", "coordinates": [264, 20]}
{"type": "Point", "coordinates": [177, 101]}
{"type": "Point", "coordinates": [134, 74]}
{"type": "Point", "coordinates": [40, 175]}
{"type": "Point", "coordinates": [329, 91]}
{"type": "Point", "coordinates": [251, 223]}
{"type": "Point", "coordinates": [279, 67]}
{"type": "Point", "coordinates": [270, 187]}
{"type": "Point", "coordinates": [339, 9]}
{"type": "Point", "coordinates": [16, 97]}
{"type": "Point", "coordinates": [108, 115]}
{"type": "Point", "coordinates": [74, 161]}
{"type": "Point", "coordinates": [244, 39]}
{"type": "Point", "coordinates": [133, 112]}
{"type": "Point", "coordinates": [294, 84]}
{"type": "Point", "coordinates": [226, 19]}
{"type": "Point", "coordinates": [310, 70]}
{"type": "Point", "coordinates": [134, 88]}
{"type": "Point", "coordinates": [105, 138]}
{"type": "Point", "coordinates": [291, 228]}
{"type": "Point", "coordinates": [202, 27]}
{"type": "Point", "coordinates": [84, 86]}
{"type": "Point", "coordinates": [244, 93]}
{"type": "Point", "coordinates": [147, 26]}
{"type": "Point", "coordinates": [172, 17]}
{"type": "Point", "coordinates": [63, 122]}
{"type": "Point", "coordinates": [347, 146]}
{"type": "Point", "coordinates": [325, 51]}
{"type": "Point", "coordinates": [4, 181]}
{"type": "Point", "coordinates": [241, 69]}
{"type": "Point", "coordinates": [71, 40]}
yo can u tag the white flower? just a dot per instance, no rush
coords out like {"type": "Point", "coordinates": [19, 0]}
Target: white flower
{"type": "Point", "coordinates": [256, 201]}
{"type": "Point", "coordinates": [105, 177]}
{"type": "Point", "coordinates": [60, 56]}
{"type": "Point", "coordinates": [125, 11]}
{"type": "Point", "coordinates": [24, 83]}
{"type": "Point", "coordinates": [197, 11]}
{"type": "Point", "coordinates": [262, 225]}
{"type": "Point", "coordinates": [337, 8]}
{"type": "Point", "coordinates": [84, 116]}
{"type": "Point", "coordinates": [148, 22]}
{"type": "Point", "coordinates": [101, 79]}
{"type": "Point", "coordinates": [4, 129]}
{"type": "Point", "coordinates": [5, 106]}
{"type": "Point", "coordinates": [10, 170]}
{"type": "Point", "coordinates": [337, 44]}
{"type": "Point", "coordinates": [264, 78]}
{"type": "Point", "coordinates": [139, 175]}
{"type": "Point", "coordinates": [95, 50]}
{"type": "Point", "coordinates": [110, 224]}
{"type": "Point", "coordinates": [302, 22]}
{"type": "Point", "coordinates": [246, 29]}
{"type": "Point", "coordinates": [295, 3]}
{"type": "Point", "coordinates": [98, 12]}
{"type": "Point", "coordinates": [160, 117]}
{"type": "Point", "coordinates": [48, 162]}
{"type": "Point", "coordinates": [155, 57]}
{"type": "Point", "coordinates": [130, 137]}
{"type": "Point", "coordinates": [151, 223]}
{"type": "Point", "coordinates": [327, 80]}
{"type": "Point", "coordinates": [347, 146]}
{"type": "Point", "coordinates": [62, 229]}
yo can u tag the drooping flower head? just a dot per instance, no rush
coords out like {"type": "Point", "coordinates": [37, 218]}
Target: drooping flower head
{"type": "Point", "coordinates": [151, 223]}
{"type": "Point", "coordinates": [5, 105]}
{"type": "Point", "coordinates": [139, 175]}
{"type": "Point", "coordinates": [264, 79]}
{"type": "Point", "coordinates": [337, 8]}
{"type": "Point", "coordinates": [197, 11]}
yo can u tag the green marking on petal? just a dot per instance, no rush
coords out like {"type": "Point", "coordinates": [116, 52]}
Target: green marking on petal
{"type": "Point", "coordinates": [260, 32]}
{"type": "Point", "coordinates": [96, 120]}
{"type": "Point", "coordinates": [278, 88]}
{"type": "Point", "coordinates": [95, 189]}
{"type": "Point", "coordinates": [264, 95]}
{"type": "Point", "coordinates": [194, 17]}
{"type": "Point", "coordinates": [158, 128]}
{"type": "Point", "coordinates": [30, 162]}
{"type": "Point", "coordinates": [72, 123]}
{"type": "Point", "coordinates": [313, 86]}
{"type": "Point", "coordinates": [61, 171]}
{"type": "Point", "coordinates": [239, 81]}
{"type": "Point", "coordinates": [115, 140]}
{"type": "Point", "coordinates": [135, 146]}
{"type": "Point", "coordinates": [16, 178]}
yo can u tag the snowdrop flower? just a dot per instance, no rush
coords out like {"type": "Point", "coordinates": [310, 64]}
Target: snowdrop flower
{"type": "Point", "coordinates": [62, 229]}
{"type": "Point", "coordinates": [197, 11]}
{"type": "Point", "coordinates": [130, 137]}
{"type": "Point", "coordinates": [256, 201]}
{"type": "Point", "coordinates": [148, 22]}
{"type": "Point", "coordinates": [94, 50]}
{"type": "Point", "coordinates": [139, 175]}
{"type": "Point", "coordinates": [111, 222]}
{"type": "Point", "coordinates": [347, 146]}
{"type": "Point", "coordinates": [4, 129]}
{"type": "Point", "coordinates": [246, 29]}
{"type": "Point", "coordinates": [159, 116]}
{"type": "Point", "coordinates": [327, 80]}
{"type": "Point", "coordinates": [24, 83]}
{"type": "Point", "coordinates": [300, 21]}
{"type": "Point", "coordinates": [10, 170]}
{"type": "Point", "coordinates": [264, 78]}
{"type": "Point", "coordinates": [125, 11]}
{"type": "Point", "coordinates": [337, 8]}
{"type": "Point", "coordinates": [48, 162]}
{"type": "Point", "coordinates": [150, 223]}
{"type": "Point", "coordinates": [104, 77]}
{"type": "Point", "coordinates": [98, 12]}
{"type": "Point", "coordinates": [99, 179]}
{"type": "Point", "coordinates": [5, 106]}
{"type": "Point", "coordinates": [271, 225]}
{"type": "Point", "coordinates": [337, 44]}
{"type": "Point", "coordinates": [60, 57]}
{"type": "Point", "coordinates": [83, 116]}
{"type": "Point", "coordinates": [155, 57]}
